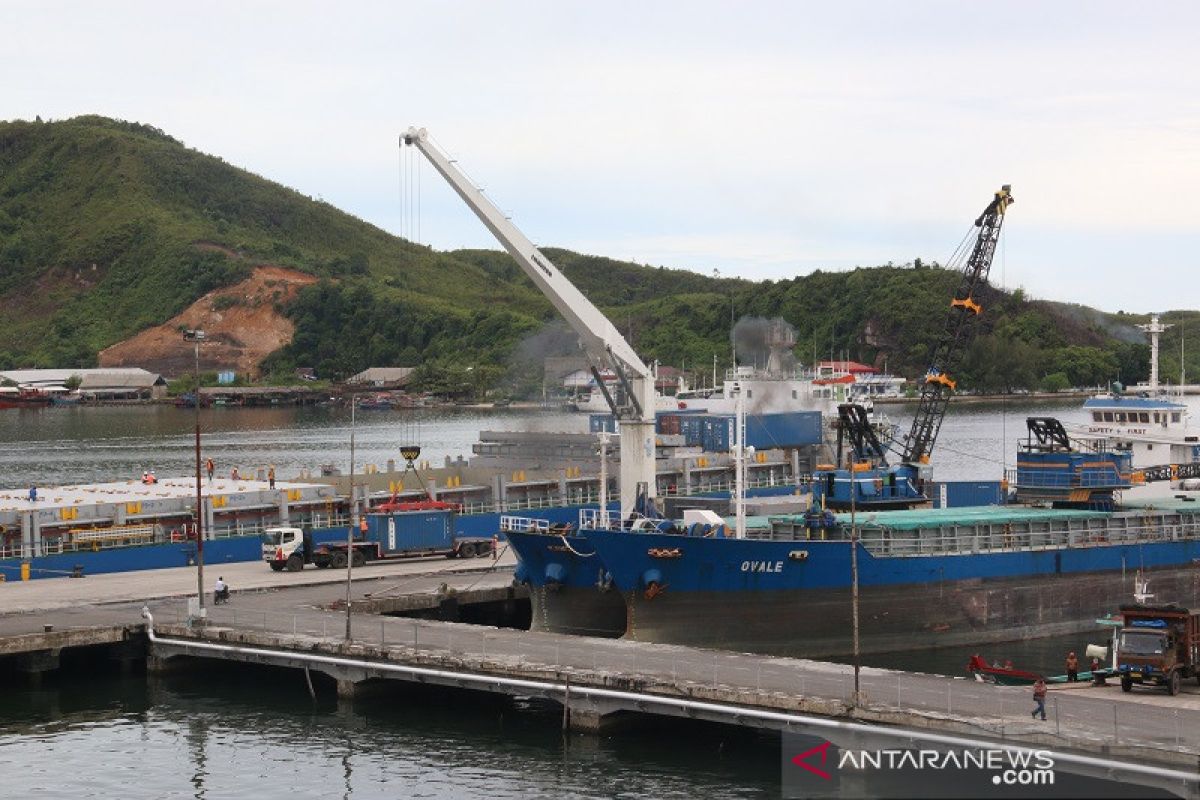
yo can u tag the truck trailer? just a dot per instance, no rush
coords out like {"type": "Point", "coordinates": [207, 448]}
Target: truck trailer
{"type": "Point", "coordinates": [389, 535]}
{"type": "Point", "coordinates": [1158, 645]}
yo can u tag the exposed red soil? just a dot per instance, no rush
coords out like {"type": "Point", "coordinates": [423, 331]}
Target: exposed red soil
{"type": "Point", "coordinates": [239, 336]}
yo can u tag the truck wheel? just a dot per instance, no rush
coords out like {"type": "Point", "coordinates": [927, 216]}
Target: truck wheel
{"type": "Point", "coordinates": [1173, 683]}
{"type": "Point", "coordinates": [322, 563]}
{"type": "Point", "coordinates": [466, 550]}
{"type": "Point", "coordinates": [295, 563]}
{"type": "Point", "coordinates": [358, 559]}
{"type": "Point", "coordinates": [485, 550]}
{"type": "Point", "coordinates": [276, 566]}
{"type": "Point", "coordinates": [338, 560]}
{"type": "Point", "coordinates": [1126, 684]}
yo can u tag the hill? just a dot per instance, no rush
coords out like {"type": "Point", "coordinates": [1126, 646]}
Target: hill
{"type": "Point", "coordinates": [110, 228]}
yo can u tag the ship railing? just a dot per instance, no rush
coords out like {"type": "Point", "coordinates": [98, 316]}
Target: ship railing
{"type": "Point", "coordinates": [13, 551]}
{"type": "Point", "coordinates": [950, 540]}
{"type": "Point", "coordinates": [524, 524]}
{"type": "Point", "coordinates": [596, 519]}
{"type": "Point", "coordinates": [588, 496]}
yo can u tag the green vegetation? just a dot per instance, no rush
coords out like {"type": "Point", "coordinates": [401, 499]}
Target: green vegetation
{"type": "Point", "coordinates": [107, 227]}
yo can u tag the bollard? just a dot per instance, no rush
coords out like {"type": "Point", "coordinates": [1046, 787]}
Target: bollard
{"type": "Point", "coordinates": [25, 571]}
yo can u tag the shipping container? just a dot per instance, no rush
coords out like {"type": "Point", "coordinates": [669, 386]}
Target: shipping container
{"type": "Point", "coordinates": [957, 494]}
{"type": "Point", "coordinates": [692, 429]}
{"type": "Point", "coordinates": [763, 431]}
{"type": "Point", "coordinates": [411, 530]}
{"type": "Point", "coordinates": [790, 429]}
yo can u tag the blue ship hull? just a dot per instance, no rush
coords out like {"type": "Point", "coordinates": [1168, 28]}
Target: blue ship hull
{"type": "Point", "coordinates": [794, 596]}
{"type": "Point", "coordinates": [569, 589]}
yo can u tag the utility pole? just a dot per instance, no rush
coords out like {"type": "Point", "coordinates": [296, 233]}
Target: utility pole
{"type": "Point", "coordinates": [854, 580]}
{"type": "Point", "coordinates": [196, 336]}
{"type": "Point", "coordinates": [353, 519]}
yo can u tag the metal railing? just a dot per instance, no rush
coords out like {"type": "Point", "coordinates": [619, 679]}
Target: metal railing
{"type": "Point", "coordinates": [986, 709]}
{"type": "Point", "coordinates": [524, 524]}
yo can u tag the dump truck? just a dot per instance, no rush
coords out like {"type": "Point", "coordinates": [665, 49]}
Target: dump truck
{"type": "Point", "coordinates": [1158, 645]}
{"type": "Point", "coordinates": [390, 535]}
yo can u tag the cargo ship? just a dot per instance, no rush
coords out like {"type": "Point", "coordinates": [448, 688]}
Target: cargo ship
{"type": "Point", "coordinates": [570, 588]}
{"type": "Point", "coordinates": [926, 578]}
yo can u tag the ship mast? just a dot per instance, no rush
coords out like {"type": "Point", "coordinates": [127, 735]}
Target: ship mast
{"type": "Point", "coordinates": [1154, 329]}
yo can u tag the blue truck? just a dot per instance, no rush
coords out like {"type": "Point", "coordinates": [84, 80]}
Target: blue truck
{"type": "Point", "coordinates": [388, 535]}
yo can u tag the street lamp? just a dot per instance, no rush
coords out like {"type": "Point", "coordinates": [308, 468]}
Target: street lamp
{"type": "Point", "coordinates": [196, 337]}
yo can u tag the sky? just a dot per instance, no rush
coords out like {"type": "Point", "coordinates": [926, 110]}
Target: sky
{"type": "Point", "coordinates": [758, 139]}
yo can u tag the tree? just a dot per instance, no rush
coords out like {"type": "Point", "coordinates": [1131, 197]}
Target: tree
{"type": "Point", "coordinates": [1055, 382]}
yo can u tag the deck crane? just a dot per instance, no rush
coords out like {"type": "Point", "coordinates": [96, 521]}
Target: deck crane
{"type": "Point", "coordinates": [874, 483]}
{"type": "Point", "coordinates": [604, 346]}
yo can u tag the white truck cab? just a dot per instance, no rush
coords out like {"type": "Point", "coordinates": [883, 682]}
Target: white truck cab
{"type": "Point", "coordinates": [280, 546]}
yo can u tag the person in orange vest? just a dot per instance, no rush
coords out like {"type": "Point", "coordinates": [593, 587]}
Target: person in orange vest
{"type": "Point", "coordinates": [271, 476]}
{"type": "Point", "coordinates": [208, 465]}
{"type": "Point", "coordinates": [362, 525]}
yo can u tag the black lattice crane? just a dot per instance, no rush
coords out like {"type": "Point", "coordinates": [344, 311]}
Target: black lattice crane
{"type": "Point", "coordinates": [960, 327]}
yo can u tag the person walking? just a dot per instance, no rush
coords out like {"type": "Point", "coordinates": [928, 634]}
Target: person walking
{"type": "Point", "coordinates": [33, 494]}
{"type": "Point", "coordinates": [1039, 697]}
{"type": "Point", "coordinates": [271, 475]}
{"type": "Point", "coordinates": [210, 466]}
{"type": "Point", "coordinates": [1072, 668]}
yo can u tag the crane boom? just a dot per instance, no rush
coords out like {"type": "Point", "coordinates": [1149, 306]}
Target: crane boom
{"type": "Point", "coordinates": [603, 344]}
{"type": "Point", "coordinates": [939, 386]}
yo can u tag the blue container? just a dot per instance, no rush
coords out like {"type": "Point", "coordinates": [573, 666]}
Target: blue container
{"type": "Point", "coordinates": [763, 431]}
{"type": "Point", "coordinates": [790, 429]}
{"type": "Point", "coordinates": [410, 531]}
{"type": "Point", "coordinates": [691, 428]}
{"type": "Point", "coordinates": [718, 435]}
{"type": "Point", "coordinates": [958, 494]}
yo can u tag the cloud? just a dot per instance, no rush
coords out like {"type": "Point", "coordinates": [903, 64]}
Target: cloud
{"type": "Point", "coordinates": [756, 138]}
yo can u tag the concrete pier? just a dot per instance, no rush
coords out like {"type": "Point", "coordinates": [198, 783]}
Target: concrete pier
{"type": "Point", "coordinates": [298, 622]}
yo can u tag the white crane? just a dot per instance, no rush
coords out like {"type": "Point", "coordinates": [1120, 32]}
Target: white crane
{"type": "Point", "coordinates": [603, 345]}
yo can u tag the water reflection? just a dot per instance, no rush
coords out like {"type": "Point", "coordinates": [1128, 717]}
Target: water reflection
{"type": "Point", "coordinates": [227, 730]}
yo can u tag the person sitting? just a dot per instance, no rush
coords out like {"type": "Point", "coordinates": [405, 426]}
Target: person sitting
{"type": "Point", "coordinates": [220, 591]}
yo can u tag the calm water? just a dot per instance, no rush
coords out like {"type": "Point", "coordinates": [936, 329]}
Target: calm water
{"type": "Point", "coordinates": [64, 445]}
{"type": "Point", "coordinates": [240, 731]}
{"type": "Point", "coordinates": [56, 446]}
